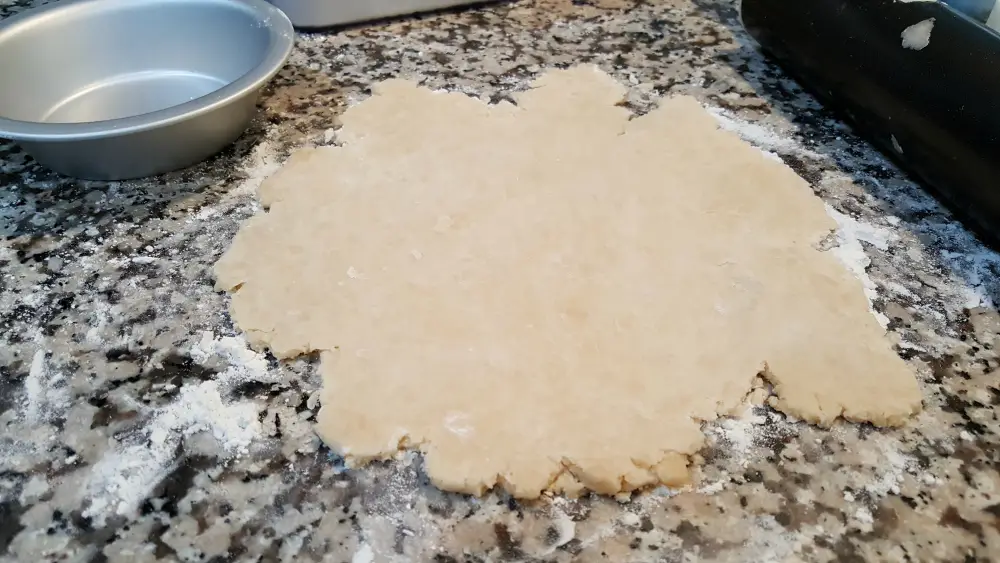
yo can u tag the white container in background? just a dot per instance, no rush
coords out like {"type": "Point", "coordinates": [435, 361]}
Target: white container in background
{"type": "Point", "coordinates": [325, 13]}
{"type": "Point", "coordinates": [994, 20]}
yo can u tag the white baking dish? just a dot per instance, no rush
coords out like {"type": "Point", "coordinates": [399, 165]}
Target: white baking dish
{"type": "Point", "coordinates": [325, 13]}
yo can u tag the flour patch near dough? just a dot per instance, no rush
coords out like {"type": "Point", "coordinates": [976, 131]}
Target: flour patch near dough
{"type": "Point", "coordinates": [849, 250]}
{"type": "Point", "coordinates": [241, 363]}
{"type": "Point", "coordinates": [739, 434]}
{"type": "Point", "coordinates": [947, 248]}
{"type": "Point", "coordinates": [364, 554]}
{"type": "Point", "coordinates": [125, 475]}
{"type": "Point", "coordinates": [260, 164]}
{"type": "Point", "coordinates": [769, 141]}
{"type": "Point", "coordinates": [977, 265]}
{"type": "Point", "coordinates": [864, 518]}
{"type": "Point", "coordinates": [770, 541]}
{"type": "Point", "coordinates": [741, 438]}
{"type": "Point", "coordinates": [890, 467]}
{"type": "Point", "coordinates": [46, 392]}
{"type": "Point", "coordinates": [397, 502]}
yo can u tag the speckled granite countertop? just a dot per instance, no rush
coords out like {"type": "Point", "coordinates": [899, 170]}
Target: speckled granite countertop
{"type": "Point", "coordinates": [135, 428]}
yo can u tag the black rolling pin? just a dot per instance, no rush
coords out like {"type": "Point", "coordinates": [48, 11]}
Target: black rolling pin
{"type": "Point", "coordinates": [935, 108]}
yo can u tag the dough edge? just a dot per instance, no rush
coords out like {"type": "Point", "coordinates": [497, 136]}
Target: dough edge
{"type": "Point", "coordinates": [569, 477]}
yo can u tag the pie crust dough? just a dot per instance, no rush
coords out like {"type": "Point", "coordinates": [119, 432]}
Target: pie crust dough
{"type": "Point", "coordinates": [552, 295]}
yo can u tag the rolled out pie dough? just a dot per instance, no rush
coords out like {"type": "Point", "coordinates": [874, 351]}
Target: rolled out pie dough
{"type": "Point", "coordinates": [551, 295]}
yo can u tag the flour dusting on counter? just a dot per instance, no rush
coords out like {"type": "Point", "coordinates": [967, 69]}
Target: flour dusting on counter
{"type": "Point", "coordinates": [243, 363]}
{"type": "Point", "coordinates": [126, 475]}
{"type": "Point", "coordinates": [850, 234]}
{"type": "Point", "coordinates": [46, 392]}
{"type": "Point", "coordinates": [262, 162]}
{"type": "Point", "coordinates": [978, 265]}
{"type": "Point", "coordinates": [770, 490]}
{"type": "Point", "coordinates": [739, 434]}
{"type": "Point", "coordinates": [768, 140]}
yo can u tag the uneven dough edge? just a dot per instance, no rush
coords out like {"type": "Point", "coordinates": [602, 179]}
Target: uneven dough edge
{"type": "Point", "coordinates": [565, 476]}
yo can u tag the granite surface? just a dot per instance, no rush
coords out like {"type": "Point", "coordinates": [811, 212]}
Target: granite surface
{"type": "Point", "coordinates": [136, 426]}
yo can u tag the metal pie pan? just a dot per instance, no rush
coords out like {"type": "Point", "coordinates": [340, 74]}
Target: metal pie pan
{"type": "Point", "coordinates": [119, 89]}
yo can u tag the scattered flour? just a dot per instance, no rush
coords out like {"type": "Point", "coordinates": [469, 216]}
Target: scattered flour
{"type": "Point", "coordinates": [101, 316]}
{"type": "Point", "coordinates": [129, 473]}
{"type": "Point", "coordinates": [767, 140]}
{"type": "Point", "coordinates": [980, 270]}
{"type": "Point", "coordinates": [45, 399]}
{"type": "Point", "coordinates": [588, 536]}
{"type": "Point", "coordinates": [565, 529]}
{"type": "Point", "coordinates": [864, 516]}
{"type": "Point", "coordinates": [261, 163]}
{"type": "Point", "coordinates": [770, 542]}
{"type": "Point", "coordinates": [244, 364]}
{"type": "Point", "coordinates": [34, 387]}
{"type": "Point", "coordinates": [630, 519]}
{"type": "Point", "coordinates": [205, 213]}
{"type": "Point", "coordinates": [121, 480]}
{"type": "Point", "coordinates": [36, 298]}
{"type": "Point", "coordinates": [712, 488]}
{"type": "Point", "coordinates": [364, 554]}
{"type": "Point", "coordinates": [971, 269]}
{"type": "Point", "coordinates": [850, 234]}
{"type": "Point", "coordinates": [892, 467]}
{"type": "Point", "coordinates": [34, 489]}
{"type": "Point", "coordinates": [739, 434]}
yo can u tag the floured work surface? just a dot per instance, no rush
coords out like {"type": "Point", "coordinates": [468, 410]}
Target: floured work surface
{"type": "Point", "coordinates": [551, 295]}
